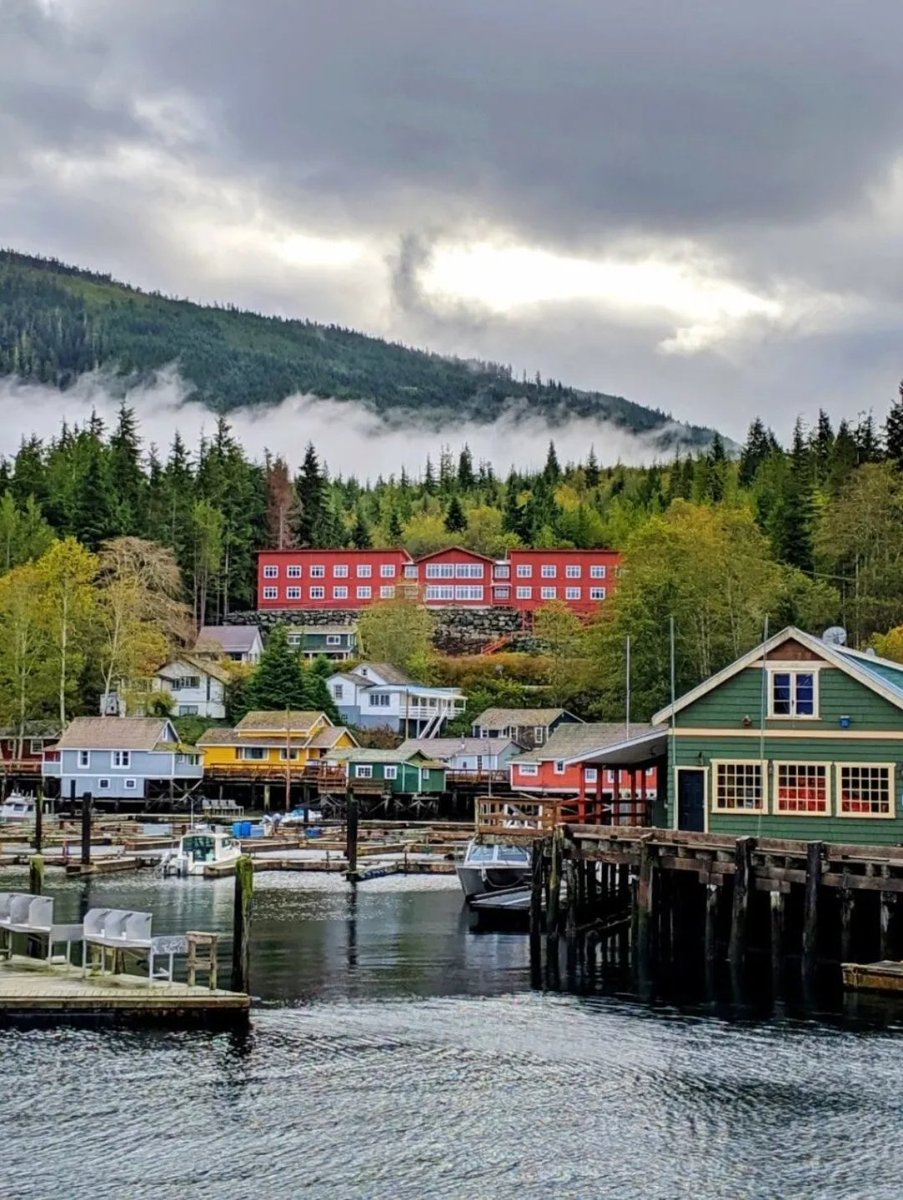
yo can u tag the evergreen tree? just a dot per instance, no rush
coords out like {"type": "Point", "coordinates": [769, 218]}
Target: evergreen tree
{"type": "Point", "coordinates": [843, 458]}
{"type": "Point", "coordinates": [867, 443]}
{"type": "Point", "coordinates": [311, 490]}
{"type": "Point", "coordinates": [429, 478]}
{"type": "Point", "coordinates": [466, 478]}
{"type": "Point", "coordinates": [551, 472]}
{"type": "Point", "coordinates": [317, 697]}
{"type": "Point", "coordinates": [127, 479]}
{"type": "Point", "coordinates": [717, 462]}
{"type": "Point", "coordinates": [591, 472]}
{"type": "Point", "coordinates": [755, 451]}
{"type": "Point", "coordinates": [893, 432]}
{"type": "Point", "coordinates": [360, 532]}
{"type": "Point", "coordinates": [822, 445]}
{"type": "Point", "coordinates": [394, 530]}
{"type": "Point", "coordinates": [277, 682]}
{"type": "Point", "coordinates": [455, 517]}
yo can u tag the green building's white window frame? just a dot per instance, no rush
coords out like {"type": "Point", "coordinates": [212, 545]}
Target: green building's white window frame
{"type": "Point", "coordinates": [793, 693]}
{"type": "Point", "coordinates": [390, 772]}
{"type": "Point", "coordinates": [801, 789]}
{"type": "Point", "coordinates": [865, 790]}
{"type": "Point", "coordinates": [739, 786]}
{"type": "Point", "coordinates": [362, 771]}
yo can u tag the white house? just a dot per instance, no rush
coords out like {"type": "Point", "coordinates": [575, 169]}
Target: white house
{"type": "Point", "coordinates": [197, 686]}
{"type": "Point", "coordinates": [241, 643]}
{"type": "Point", "coordinates": [467, 755]}
{"type": "Point", "coordinates": [378, 695]}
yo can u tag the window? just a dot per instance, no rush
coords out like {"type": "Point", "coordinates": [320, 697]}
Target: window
{"type": "Point", "coordinates": [364, 593]}
{"type": "Point", "coordinates": [793, 694]}
{"type": "Point", "coordinates": [528, 768]}
{"type": "Point", "coordinates": [501, 571]}
{"type": "Point", "coordinates": [390, 772]}
{"type": "Point", "coordinates": [439, 592]}
{"type": "Point", "coordinates": [271, 593]}
{"type": "Point", "coordinates": [186, 682]}
{"type": "Point", "coordinates": [362, 771]}
{"type": "Point", "coordinates": [294, 639]}
{"type": "Point", "coordinates": [293, 593]}
{"type": "Point", "coordinates": [364, 570]}
{"type": "Point", "coordinates": [410, 570]}
{"type": "Point", "coordinates": [572, 571]}
{"type": "Point", "coordinates": [186, 710]}
{"type": "Point", "coordinates": [503, 593]}
{"type": "Point", "coordinates": [469, 570]}
{"type": "Point", "coordinates": [340, 593]}
{"type": "Point", "coordinates": [440, 570]}
{"type": "Point", "coordinates": [572, 593]}
{"type": "Point", "coordinates": [130, 785]}
{"type": "Point", "coordinates": [333, 639]}
{"type": "Point", "coordinates": [801, 789]}
{"type": "Point", "coordinates": [338, 691]}
{"type": "Point", "coordinates": [340, 571]}
{"type": "Point", "coordinates": [865, 791]}
{"type": "Point", "coordinates": [591, 774]}
{"type": "Point", "coordinates": [598, 572]}
{"type": "Point", "coordinates": [293, 572]}
{"type": "Point", "coordinates": [35, 746]}
{"type": "Point", "coordinates": [539, 734]}
{"type": "Point", "coordinates": [524, 593]}
{"type": "Point", "coordinates": [379, 699]}
{"type": "Point", "coordinates": [318, 593]}
{"type": "Point", "coordinates": [84, 758]}
{"type": "Point", "coordinates": [524, 571]}
{"type": "Point", "coordinates": [548, 571]}
{"type": "Point", "coordinates": [251, 753]}
{"type": "Point", "coordinates": [739, 787]}
{"type": "Point", "coordinates": [548, 593]}
{"type": "Point", "coordinates": [103, 785]}
{"type": "Point", "coordinates": [597, 593]}
{"type": "Point", "coordinates": [387, 571]}
{"type": "Point", "coordinates": [559, 766]}
{"type": "Point", "coordinates": [185, 760]}
{"type": "Point", "coordinates": [468, 593]}
{"type": "Point", "coordinates": [318, 572]}
{"type": "Point", "coordinates": [289, 755]}
{"type": "Point", "coordinates": [387, 592]}
{"type": "Point", "coordinates": [271, 572]}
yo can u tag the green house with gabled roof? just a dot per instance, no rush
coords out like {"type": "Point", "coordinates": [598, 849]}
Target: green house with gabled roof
{"type": "Point", "coordinates": [797, 739]}
{"type": "Point", "coordinates": [401, 772]}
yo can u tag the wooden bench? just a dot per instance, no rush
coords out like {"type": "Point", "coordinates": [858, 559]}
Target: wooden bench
{"type": "Point", "coordinates": [22, 913]}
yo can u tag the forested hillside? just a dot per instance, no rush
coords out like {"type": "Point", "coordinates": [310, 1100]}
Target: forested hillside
{"type": "Point", "coordinates": [57, 322]}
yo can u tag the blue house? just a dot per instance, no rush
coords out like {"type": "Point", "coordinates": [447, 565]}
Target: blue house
{"type": "Point", "coordinates": [122, 758]}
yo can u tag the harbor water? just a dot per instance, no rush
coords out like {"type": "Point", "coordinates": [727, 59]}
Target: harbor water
{"type": "Point", "coordinates": [395, 1053]}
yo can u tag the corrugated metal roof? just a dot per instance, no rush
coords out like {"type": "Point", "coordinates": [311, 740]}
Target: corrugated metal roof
{"type": "Point", "coordinates": [502, 718]}
{"type": "Point", "coordinates": [569, 741]}
{"type": "Point", "coordinates": [374, 755]}
{"type": "Point", "coordinates": [113, 733]}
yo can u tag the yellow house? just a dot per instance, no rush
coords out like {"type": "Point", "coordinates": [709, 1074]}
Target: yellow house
{"type": "Point", "coordinates": [269, 743]}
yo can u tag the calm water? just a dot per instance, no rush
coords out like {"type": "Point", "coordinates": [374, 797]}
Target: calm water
{"type": "Point", "coordinates": [396, 1054]}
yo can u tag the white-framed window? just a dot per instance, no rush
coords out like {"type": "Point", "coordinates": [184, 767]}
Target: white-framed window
{"type": "Point", "coordinates": [525, 593]}
{"type": "Point", "coordinates": [364, 570]}
{"type": "Point", "coordinates": [559, 766]}
{"type": "Point", "coordinates": [437, 591]}
{"type": "Point", "coordinates": [548, 571]}
{"type": "Point", "coordinates": [572, 571]}
{"type": "Point", "coordinates": [597, 593]}
{"type": "Point", "coordinates": [440, 570]}
{"type": "Point", "coordinates": [271, 593]}
{"type": "Point", "coordinates": [598, 571]}
{"type": "Point", "coordinates": [36, 746]}
{"type": "Point", "coordinates": [333, 639]}
{"type": "Point", "coordinates": [572, 593]}
{"type": "Point", "coordinates": [387, 571]}
{"type": "Point", "coordinates": [271, 572]}
{"type": "Point", "coordinates": [340, 593]}
{"type": "Point", "coordinates": [524, 571]}
{"type": "Point", "coordinates": [318, 572]}
{"type": "Point", "coordinates": [340, 571]}
{"type": "Point", "coordinates": [590, 774]}
{"type": "Point", "coordinates": [293, 593]}
{"type": "Point", "coordinates": [186, 683]}
{"type": "Point", "coordinates": [338, 691]}
{"type": "Point", "coordinates": [548, 593]}
{"type": "Point", "coordinates": [801, 789]}
{"type": "Point", "coordinates": [130, 785]}
{"type": "Point", "coordinates": [364, 593]}
{"type": "Point", "coordinates": [294, 639]}
{"type": "Point", "coordinates": [865, 790]}
{"type": "Point", "coordinates": [466, 592]}
{"type": "Point", "coordinates": [318, 593]}
{"type": "Point", "coordinates": [539, 734]}
{"type": "Point", "coordinates": [186, 710]}
{"type": "Point", "coordinates": [251, 753]}
{"type": "Point", "coordinates": [84, 759]}
{"type": "Point", "coordinates": [390, 772]}
{"type": "Point", "coordinates": [503, 593]}
{"type": "Point", "coordinates": [379, 699]}
{"type": "Point", "coordinates": [792, 693]}
{"type": "Point", "coordinates": [501, 571]}
{"type": "Point", "coordinates": [469, 570]}
{"type": "Point", "coordinates": [410, 570]}
{"type": "Point", "coordinates": [363, 771]}
{"type": "Point", "coordinates": [294, 571]}
{"type": "Point", "coordinates": [739, 786]}
{"type": "Point", "coordinates": [528, 768]}
{"type": "Point", "coordinates": [387, 592]}
{"type": "Point", "coordinates": [103, 785]}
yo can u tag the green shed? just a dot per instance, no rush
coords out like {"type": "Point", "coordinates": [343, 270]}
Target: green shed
{"type": "Point", "coordinates": [402, 772]}
{"type": "Point", "coordinates": [799, 738]}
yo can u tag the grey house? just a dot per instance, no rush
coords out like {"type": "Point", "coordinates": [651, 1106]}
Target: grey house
{"type": "Point", "coordinates": [528, 727]}
{"type": "Point", "coordinates": [122, 758]}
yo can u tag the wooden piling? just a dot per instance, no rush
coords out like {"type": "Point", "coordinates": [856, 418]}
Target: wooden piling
{"type": "Point", "coordinates": [38, 842]}
{"type": "Point", "coordinates": [776, 899]}
{"type": "Point", "coordinates": [736, 951]}
{"type": "Point", "coordinates": [645, 901]}
{"type": "Point", "coordinates": [36, 874]}
{"type": "Point", "coordinates": [885, 909]}
{"type": "Point", "coordinates": [814, 851]}
{"type": "Point", "coordinates": [536, 874]}
{"type": "Point", "coordinates": [351, 831]}
{"type": "Point", "coordinates": [553, 907]}
{"type": "Point", "coordinates": [241, 924]}
{"type": "Point", "coordinates": [846, 921]}
{"type": "Point", "coordinates": [711, 921]}
{"type": "Point", "coordinates": [570, 925]}
{"type": "Point", "coordinates": [86, 829]}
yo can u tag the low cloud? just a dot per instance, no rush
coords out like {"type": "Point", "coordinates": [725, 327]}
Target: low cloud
{"type": "Point", "coordinates": [349, 436]}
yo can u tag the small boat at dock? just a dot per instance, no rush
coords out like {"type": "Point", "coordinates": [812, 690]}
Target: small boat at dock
{"type": "Point", "coordinates": [199, 849]}
{"type": "Point", "coordinates": [492, 867]}
{"type": "Point", "coordinates": [16, 808]}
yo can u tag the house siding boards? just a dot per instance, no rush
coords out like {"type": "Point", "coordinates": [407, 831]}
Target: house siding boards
{"type": "Point", "coordinates": [154, 758]}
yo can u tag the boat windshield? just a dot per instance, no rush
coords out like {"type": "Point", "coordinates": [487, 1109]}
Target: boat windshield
{"type": "Point", "coordinates": [199, 846]}
{"type": "Point", "coordinates": [480, 854]}
{"type": "Point", "coordinates": [513, 854]}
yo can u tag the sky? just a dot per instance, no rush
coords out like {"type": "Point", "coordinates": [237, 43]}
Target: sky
{"type": "Point", "coordinates": [698, 206]}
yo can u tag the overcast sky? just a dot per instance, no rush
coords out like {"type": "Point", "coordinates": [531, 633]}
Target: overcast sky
{"type": "Point", "coordinates": [696, 205]}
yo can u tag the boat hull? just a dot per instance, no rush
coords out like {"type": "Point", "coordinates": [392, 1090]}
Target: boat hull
{"type": "Point", "coordinates": [481, 881]}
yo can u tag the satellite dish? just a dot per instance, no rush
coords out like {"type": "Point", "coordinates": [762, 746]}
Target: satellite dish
{"type": "Point", "coordinates": [835, 636]}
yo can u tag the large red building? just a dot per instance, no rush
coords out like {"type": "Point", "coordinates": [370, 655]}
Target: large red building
{"type": "Point", "coordinates": [454, 577]}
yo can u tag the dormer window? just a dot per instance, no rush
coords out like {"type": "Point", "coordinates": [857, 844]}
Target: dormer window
{"type": "Point", "coordinates": [793, 693]}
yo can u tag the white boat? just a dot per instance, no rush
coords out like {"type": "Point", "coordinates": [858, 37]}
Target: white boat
{"type": "Point", "coordinates": [18, 808]}
{"type": "Point", "coordinates": [199, 849]}
{"type": "Point", "coordinates": [491, 868]}
{"type": "Point", "coordinates": [302, 816]}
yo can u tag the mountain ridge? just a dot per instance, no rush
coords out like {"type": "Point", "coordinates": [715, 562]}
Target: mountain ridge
{"type": "Point", "coordinates": [59, 322]}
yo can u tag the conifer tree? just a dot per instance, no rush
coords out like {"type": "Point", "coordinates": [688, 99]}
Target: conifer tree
{"type": "Point", "coordinates": [893, 432]}
{"type": "Point", "coordinates": [455, 517]}
{"type": "Point", "coordinates": [127, 479]}
{"type": "Point", "coordinates": [361, 538]}
{"type": "Point", "coordinates": [429, 478]}
{"type": "Point", "coordinates": [394, 530]}
{"type": "Point", "coordinates": [591, 470]}
{"type": "Point", "coordinates": [277, 682]}
{"type": "Point", "coordinates": [755, 451]}
{"type": "Point", "coordinates": [466, 478]}
{"type": "Point", "coordinates": [551, 472]}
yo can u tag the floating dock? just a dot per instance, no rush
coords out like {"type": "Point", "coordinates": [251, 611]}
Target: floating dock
{"type": "Point", "coordinates": [885, 976]}
{"type": "Point", "coordinates": [31, 988]}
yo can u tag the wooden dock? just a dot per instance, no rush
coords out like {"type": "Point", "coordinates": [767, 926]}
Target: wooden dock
{"type": "Point", "coordinates": [874, 977]}
{"type": "Point", "coordinates": [28, 987]}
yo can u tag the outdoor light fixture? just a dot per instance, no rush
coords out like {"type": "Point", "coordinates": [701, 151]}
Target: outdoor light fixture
{"type": "Point", "coordinates": [845, 722]}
